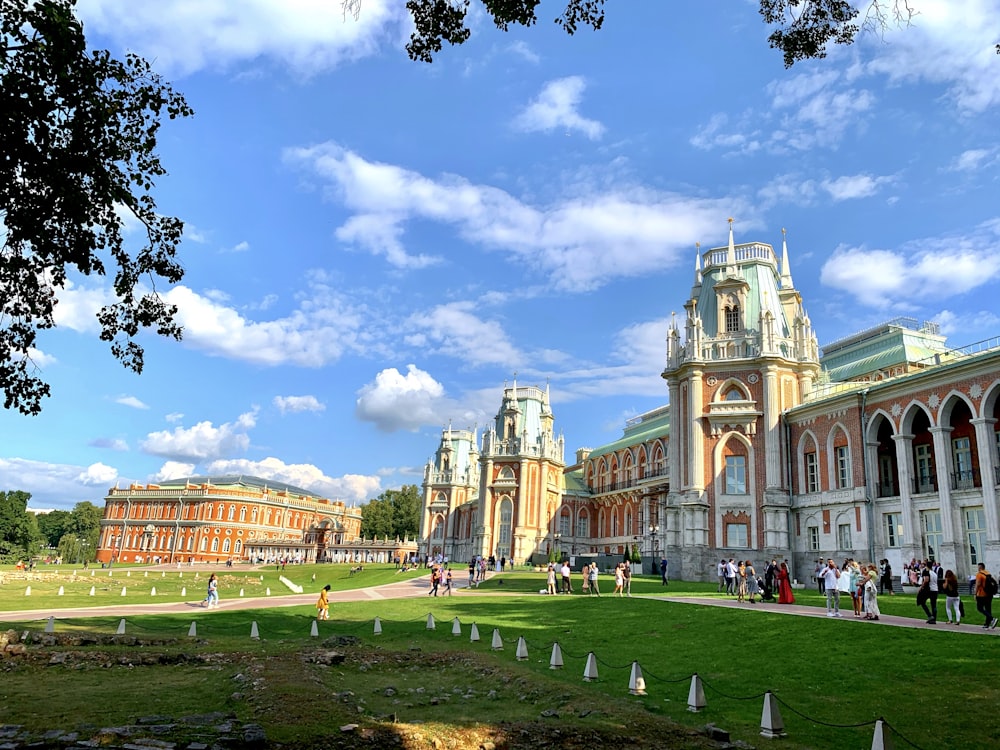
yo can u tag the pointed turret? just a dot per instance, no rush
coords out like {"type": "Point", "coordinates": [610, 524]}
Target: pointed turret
{"type": "Point", "coordinates": [731, 252]}
{"type": "Point", "coordinates": [786, 270]}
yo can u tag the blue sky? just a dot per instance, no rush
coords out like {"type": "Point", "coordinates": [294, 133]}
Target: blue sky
{"type": "Point", "coordinates": [375, 246]}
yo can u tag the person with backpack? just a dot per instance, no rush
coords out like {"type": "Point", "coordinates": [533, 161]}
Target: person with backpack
{"type": "Point", "coordinates": [986, 589]}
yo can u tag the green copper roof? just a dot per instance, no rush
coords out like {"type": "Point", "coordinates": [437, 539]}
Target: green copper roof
{"type": "Point", "coordinates": [880, 348]}
{"type": "Point", "coordinates": [238, 480]}
{"type": "Point", "coordinates": [649, 426]}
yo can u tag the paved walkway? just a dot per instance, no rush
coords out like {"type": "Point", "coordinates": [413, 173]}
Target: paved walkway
{"type": "Point", "coordinates": [415, 587]}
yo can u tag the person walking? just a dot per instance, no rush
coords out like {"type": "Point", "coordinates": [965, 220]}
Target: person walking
{"type": "Point", "coordinates": [212, 600]}
{"type": "Point", "coordinates": [550, 580]}
{"type": "Point", "coordinates": [870, 589]}
{"type": "Point", "coordinates": [986, 587]}
{"type": "Point", "coordinates": [928, 592]}
{"type": "Point", "coordinates": [751, 578]}
{"type": "Point", "coordinates": [664, 580]}
{"type": "Point", "coordinates": [323, 604]}
{"type": "Point", "coordinates": [829, 574]}
{"type": "Point", "coordinates": [952, 600]}
{"type": "Point", "coordinates": [619, 579]}
{"type": "Point", "coordinates": [435, 581]}
{"type": "Point", "coordinates": [627, 578]}
{"type": "Point", "coordinates": [594, 588]}
{"type": "Point", "coordinates": [565, 572]}
{"type": "Point", "coordinates": [447, 581]}
{"type": "Point", "coordinates": [722, 570]}
{"type": "Point", "coordinates": [785, 593]}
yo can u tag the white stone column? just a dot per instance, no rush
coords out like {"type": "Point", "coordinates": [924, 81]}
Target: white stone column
{"type": "Point", "coordinates": [910, 545]}
{"type": "Point", "coordinates": [696, 444]}
{"type": "Point", "coordinates": [676, 437]}
{"type": "Point", "coordinates": [772, 432]}
{"type": "Point", "coordinates": [986, 447]}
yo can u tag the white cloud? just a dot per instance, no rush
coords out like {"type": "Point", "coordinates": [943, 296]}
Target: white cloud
{"type": "Point", "coordinates": [966, 328]}
{"type": "Point", "coordinates": [307, 35]}
{"type": "Point", "coordinates": [950, 43]}
{"type": "Point", "coordinates": [55, 485]}
{"type": "Point", "coordinates": [295, 404]}
{"type": "Point", "coordinates": [580, 242]}
{"type": "Point", "coordinates": [203, 441]}
{"type": "Point", "coordinates": [323, 327]}
{"type": "Point", "coordinates": [239, 247]}
{"type": "Point", "coordinates": [131, 401]}
{"type": "Point", "coordinates": [97, 475]}
{"type": "Point", "coordinates": [114, 444]}
{"type": "Point", "coordinates": [401, 402]}
{"type": "Point", "coordinates": [929, 269]}
{"type": "Point", "coordinates": [351, 488]}
{"type": "Point", "coordinates": [973, 160]}
{"type": "Point", "coordinates": [454, 330]}
{"type": "Point", "coordinates": [522, 50]}
{"type": "Point", "coordinates": [556, 108]}
{"type": "Point", "coordinates": [854, 186]}
{"type": "Point", "coordinates": [77, 306]}
{"type": "Point", "coordinates": [174, 417]}
{"type": "Point", "coordinates": [173, 470]}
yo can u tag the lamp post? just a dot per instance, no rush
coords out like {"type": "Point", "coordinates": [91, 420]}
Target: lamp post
{"type": "Point", "coordinates": [654, 530]}
{"type": "Point", "coordinates": [556, 537]}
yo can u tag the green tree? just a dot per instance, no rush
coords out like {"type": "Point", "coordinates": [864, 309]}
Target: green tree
{"type": "Point", "coordinates": [78, 136]}
{"type": "Point", "coordinates": [19, 536]}
{"type": "Point", "coordinates": [394, 513]}
{"type": "Point", "coordinates": [52, 526]}
{"type": "Point", "coordinates": [802, 28]}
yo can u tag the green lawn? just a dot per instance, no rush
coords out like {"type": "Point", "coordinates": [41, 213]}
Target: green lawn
{"type": "Point", "coordinates": [100, 587]}
{"type": "Point", "coordinates": [935, 686]}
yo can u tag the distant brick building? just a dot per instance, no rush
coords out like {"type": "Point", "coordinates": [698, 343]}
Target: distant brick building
{"type": "Point", "coordinates": [213, 519]}
{"type": "Point", "coordinates": [886, 446]}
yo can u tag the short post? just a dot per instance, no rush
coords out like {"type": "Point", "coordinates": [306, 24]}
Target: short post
{"type": "Point", "coordinates": [497, 640]}
{"type": "Point", "coordinates": [241, 593]}
{"type": "Point", "coordinates": [474, 633]}
{"type": "Point", "coordinates": [121, 627]}
{"type": "Point", "coordinates": [184, 591]}
{"type": "Point", "coordinates": [145, 574]}
{"type": "Point", "coordinates": [378, 626]}
{"type": "Point", "coordinates": [771, 725]}
{"type": "Point", "coordinates": [50, 625]}
{"type": "Point", "coordinates": [267, 591]}
{"type": "Point", "coordinates": [556, 660]}
{"type": "Point", "coordinates": [522, 649]}
{"type": "Point", "coordinates": [456, 627]}
{"type": "Point", "coordinates": [254, 632]}
{"type": "Point", "coordinates": [123, 590]}
{"type": "Point", "coordinates": [92, 572]}
{"type": "Point", "coordinates": [315, 630]}
{"type": "Point", "coordinates": [152, 591]}
{"type": "Point", "coordinates": [430, 621]}
{"type": "Point", "coordinates": [881, 740]}
{"type": "Point", "coordinates": [93, 590]}
{"type": "Point", "coordinates": [62, 591]}
{"type": "Point", "coordinates": [696, 695]}
{"type": "Point", "coordinates": [27, 591]}
{"type": "Point", "coordinates": [193, 630]}
{"type": "Point", "coordinates": [636, 682]}
{"type": "Point", "coordinates": [590, 669]}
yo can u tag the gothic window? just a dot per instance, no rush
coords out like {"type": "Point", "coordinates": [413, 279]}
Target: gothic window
{"type": "Point", "coordinates": [614, 523]}
{"type": "Point", "coordinates": [253, 515]}
{"type": "Point", "coordinates": [736, 475]}
{"type": "Point", "coordinates": [734, 395]}
{"type": "Point", "coordinates": [812, 472]}
{"type": "Point", "coordinates": [219, 514]}
{"type": "Point", "coordinates": [232, 512]}
{"type": "Point", "coordinates": [732, 318]}
{"type": "Point", "coordinates": [238, 547]}
{"type": "Point", "coordinates": [243, 514]}
{"type": "Point", "coordinates": [226, 546]}
{"type": "Point", "coordinates": [204, 544]}
{"type": "Point", "coordinates": [438, 527]}
{"type": "Point", "coordinates": [506, 516]}
{"type": "Point", "coordinates": [215, 545]}
{"type": "Point", "coordinates": [583, 524]}
{"type": "Point", "coordinates": [564, 523]}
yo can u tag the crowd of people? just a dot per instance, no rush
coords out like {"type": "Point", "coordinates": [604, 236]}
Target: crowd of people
{"type": "Point", "coordinates": [739, 578]}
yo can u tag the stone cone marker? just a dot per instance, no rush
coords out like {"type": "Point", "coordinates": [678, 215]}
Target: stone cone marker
{"type": "Point", "coordinates": [556, 660]}
{"type": "Point", "coordinates": [50, 625]}
{"type": "Point", "coordinates": [123, 591]}
{"type": "Point", "coordinates": [378, 626]}
{"type": "Point", "coordinates": [93, 591]}
{"type": "Point", "coordinates": [521, 652]}
{"type": "Point", "coordinates": [152, 591]}
{"type": "Point", "coordinates": [590, 669]}
{"type": "Point", "coordinates": [696, 695]}
{"type": "Point", "coordinates": [61, 591]}
{"type": "Point", "coordinates": [881, 740]}
{"type": "Point", "coordinates": [636, 682]}
{"type": "Point", "coordinates": [27, 591]}
{"type": "Point", "coordinates": [254, 632]}
{"type": "Point", "coordinates": [121, 627]}
{"type": "Point", "coordinates": [456, 627]}
{"type": "Point", "coordinates": [184, 591]}
{"type": "Point", "coordinates": [474, 635]}
{"type": "Point", "coordinates": [497, 640]}
{"type": "Point", "coordinates": [193, 630]}
{"type": "Point", "coordinates": [430, 622]}
{"type": "Point", "coordinates": [771, 724]}
{"type": "Point", "coordinates": [314, 633]}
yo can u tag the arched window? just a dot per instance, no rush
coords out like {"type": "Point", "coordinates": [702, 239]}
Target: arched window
{"type": "Point", "coordinates": [253, 515]}
{"type": "Point", "coordinates": [438, 527]}
{"type": "Point", "coordinates": [215, 545]}
{"type": "Point", "coordinates": [583, 524]}
{"type": "Point", "coordinates": [190, 543]}
{"type": "Point", "coordinates": [204, 544]}
{"type": "Point", "coordinates": [238, 547]}
{"type": "Point", "coordinates": [232, 513]}
{"type": "Point", "coordinates": [222, 508]}
{"type": "Point", "coordinates": [734, 395]}
{"type": "Point", "coordinates": [506, 517]}
{"type": "Point", "coordinates": [732, 318]}
{"type": "Point", "coordinates": [243, 513]}
{"type": "Point", "coordinates": [614, 523]}
{"type": "Point", "coordinates": [226, 546]}
{"type": "Point", "coordinates": [208, 511]}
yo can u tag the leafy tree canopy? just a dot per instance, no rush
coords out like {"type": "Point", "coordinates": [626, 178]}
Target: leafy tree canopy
{"type": "Point", "coordinates": [19, 535]}
{"type": "Point", "coordinates": [52, 526]}
{"type": "Point", "coordinates": [802, 28]}
{"type": "Point", "coordinates": [394, 513]}
{"type": "Point", "coordinates": [78, 136]}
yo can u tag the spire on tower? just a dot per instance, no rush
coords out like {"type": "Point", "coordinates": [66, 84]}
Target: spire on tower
{"type": "Point", "coordinates": [697, 263]}
{"type": "Point", "coordinates": [731, 252]}
{"type": "Point", "coordinates": [786, 270]}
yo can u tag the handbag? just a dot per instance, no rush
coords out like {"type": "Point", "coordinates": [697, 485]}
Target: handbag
{"type": "Point", "coordinates": [961, 608]}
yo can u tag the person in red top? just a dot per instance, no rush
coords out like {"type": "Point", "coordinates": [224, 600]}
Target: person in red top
{"type": "Point", "coordinates": [984, 600]}
{"type": "Point", "coordinates": [785, 595]}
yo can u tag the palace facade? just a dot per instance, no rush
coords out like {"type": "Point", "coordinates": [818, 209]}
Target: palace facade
{"type": "Point", "coordinates": [882, 445]}
{"type": "Point", "coordinates": [214, 519]}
